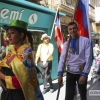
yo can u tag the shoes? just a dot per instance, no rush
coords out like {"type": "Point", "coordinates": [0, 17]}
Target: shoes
{"type": "Point", "coordinates": [45, 91]}
{"type": "Point", "coordinates": [51, 90]}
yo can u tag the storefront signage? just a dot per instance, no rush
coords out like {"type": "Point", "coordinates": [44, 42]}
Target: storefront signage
{"type": "Point", "coordinates": [7, 16]}
{"type": "Point", "coordinates": [34, 18]}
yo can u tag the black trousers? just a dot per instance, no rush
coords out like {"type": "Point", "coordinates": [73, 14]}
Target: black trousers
{"type": "Point", "coordinates": [46, 75]}
{"type": "Point", "coordinates": [70, 87]}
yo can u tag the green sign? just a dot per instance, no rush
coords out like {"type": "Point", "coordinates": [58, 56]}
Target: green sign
{"type": "Point", "coordinates": [33, 18]}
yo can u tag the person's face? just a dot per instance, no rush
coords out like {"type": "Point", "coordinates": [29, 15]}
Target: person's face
{"type": "Point", "coordinates": [13, 35]}
{"type": "Point", "coordinates": [72, 30]}
{"type": "Point", "coordinates": [46, 40]}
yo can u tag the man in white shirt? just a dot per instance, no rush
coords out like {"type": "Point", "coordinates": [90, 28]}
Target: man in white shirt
{"type": "Point", "coordinates": [78, 63]}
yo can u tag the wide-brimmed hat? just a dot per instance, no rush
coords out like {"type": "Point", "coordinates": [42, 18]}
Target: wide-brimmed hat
{"type": "Point", "coordinates": [44, 35]}
{"type": "Point", "coordinates": [17, 24]}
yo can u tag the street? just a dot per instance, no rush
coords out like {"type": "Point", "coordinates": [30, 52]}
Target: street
{"type": "Point", "coordinates": [95, 85]}
{"type": "Point", "coordinates": [92, 85]}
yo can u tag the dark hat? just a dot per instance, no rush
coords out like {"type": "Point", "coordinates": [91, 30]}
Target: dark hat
{"type": "Point", "coordinates": [17, 24]}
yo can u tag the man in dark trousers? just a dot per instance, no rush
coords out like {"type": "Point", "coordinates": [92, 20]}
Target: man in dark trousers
{"type": "Point", "coordinates": [44, 52]}
{"type": "Point", "coordinates": [78, 63]}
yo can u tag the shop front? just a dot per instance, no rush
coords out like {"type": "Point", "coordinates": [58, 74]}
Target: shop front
{"type": "Point", "coordinates": [39, 19]}
{"type": "Point", "coordinates": [95, 38]}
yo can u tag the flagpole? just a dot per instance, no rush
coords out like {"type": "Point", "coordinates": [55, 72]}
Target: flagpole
{"type": "Point", "coordinates": [54, 22]}
{"type": "Point", "coordinates": [68, 42]}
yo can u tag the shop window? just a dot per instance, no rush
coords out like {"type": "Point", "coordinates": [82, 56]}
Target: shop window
{"type": "Point", "coordinates": [64, 31]}
{"type": "Point", "coordinates": [36, 35]}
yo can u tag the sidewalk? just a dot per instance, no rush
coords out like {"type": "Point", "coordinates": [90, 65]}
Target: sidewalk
{"type": "Point", "coordinates": [52, 96]}
{"type": "Point", "coordinates": [95, 85]}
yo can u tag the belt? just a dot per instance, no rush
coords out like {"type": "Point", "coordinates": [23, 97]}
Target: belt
{"type": "Point", "coordinates": [47, 61]}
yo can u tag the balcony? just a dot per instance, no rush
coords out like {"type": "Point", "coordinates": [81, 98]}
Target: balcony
{"type": "Point", "coordinates": [97, 16]}
{"type": "Point", "coordinates": [67, 6]}
{"type": "Point", "coordinates": [91, 13]}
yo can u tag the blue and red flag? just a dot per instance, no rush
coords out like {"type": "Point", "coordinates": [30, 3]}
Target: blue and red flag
{"type": "Point", "coordinates": [58, 34]}
{"type": "Point", "coordinates": [82, 19]}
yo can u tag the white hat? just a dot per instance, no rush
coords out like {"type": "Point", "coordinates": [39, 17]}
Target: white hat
{"type": "Point", "coordinates": [44, 35]}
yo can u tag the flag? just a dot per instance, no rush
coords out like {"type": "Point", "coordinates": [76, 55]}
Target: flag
{"type": "Point", "coordinates": [82, 19]}
{"type": "Point", "coordinates": [58, 34]}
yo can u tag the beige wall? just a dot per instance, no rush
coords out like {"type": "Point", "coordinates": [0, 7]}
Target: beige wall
{"type": "Point", "coordinates": [98, 29]}
{"type": "Point", "coordinates": [93, 27]}
{"type": "Point", "coordinates": [65, 19]}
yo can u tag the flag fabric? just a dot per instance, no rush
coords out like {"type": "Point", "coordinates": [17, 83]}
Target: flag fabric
{"type": "Point", "coordinates": [58, 34]}
{"type": "Point", "coordinates": [82, 19]}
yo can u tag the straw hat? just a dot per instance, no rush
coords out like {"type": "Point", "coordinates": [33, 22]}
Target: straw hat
{"type": "Point", "coordinates": [44, 35]}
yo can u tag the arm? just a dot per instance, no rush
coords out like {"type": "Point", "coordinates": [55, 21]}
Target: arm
{"type": "Point", "coordinates": [11, 82]}
{"type": "Point", "coordinates": [51, 49]}
{"type": "Point", "coordinates": [62, 57]}
{"type": "Point", "coordinates": [61, 64]}
{"type": "Point", "coordinates": [37, 54]}
{"type": "Point", "coordinates": [88, 57]}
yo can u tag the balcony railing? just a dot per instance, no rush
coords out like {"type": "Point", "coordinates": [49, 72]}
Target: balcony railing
{"type": "Point", "coordinates": [68, 3]}
{"type": "Point", "coordinates": [92, 13]}
{"type": "Point", "coordinates": [67, 6]}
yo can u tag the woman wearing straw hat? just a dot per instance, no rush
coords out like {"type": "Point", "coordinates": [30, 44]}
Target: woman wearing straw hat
{"type": "Point", "coordinates": [18, 72]}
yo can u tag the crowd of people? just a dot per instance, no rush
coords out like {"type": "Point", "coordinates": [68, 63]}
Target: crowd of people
{"type": "Point", "coordinates": [95, 69]}
{"type": "Point", "coordinates": [18, 73]}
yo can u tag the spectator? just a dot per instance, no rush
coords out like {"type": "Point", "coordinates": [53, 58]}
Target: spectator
{"type": "Point", "coordinates": [44, 52]}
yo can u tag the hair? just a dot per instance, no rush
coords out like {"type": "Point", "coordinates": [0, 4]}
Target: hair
{"type": "Point", "coordinates": [72, 23]}
{"type": "Point", "coordinates": [26, 33]}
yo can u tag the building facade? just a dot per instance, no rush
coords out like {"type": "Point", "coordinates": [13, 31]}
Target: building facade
{"type": "Point", "coordinates": [39, 19]}
{"type": "Point", "coordinates": [68, 7]}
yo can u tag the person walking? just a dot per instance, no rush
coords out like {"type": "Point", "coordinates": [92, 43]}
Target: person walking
{"type": "Point", "coordinates": [44, 52]}
{"type": "Point", "coordinates": [96, 52]}
{"type": "Point", "coordinates": [18, 72]}
{"type": "Point", "coordinates": [7, 48]}
{"type": "Point", "coordinates": [78, 63]}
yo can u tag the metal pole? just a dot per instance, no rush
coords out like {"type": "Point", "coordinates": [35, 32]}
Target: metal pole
{"type": "Point", "coordinates": [54, 23]}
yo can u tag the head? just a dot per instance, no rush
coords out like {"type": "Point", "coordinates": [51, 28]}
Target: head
{"type": "Point", "coordinates": [73, 29]}
{"type": "Point", "coordinates": [17, 32]}
{"type": "Point", "coordinates": [96, 45]}
{"type": "Point", "coordinates": [45, 38]}
{"type": "Point", "coordinates": [15, 35]}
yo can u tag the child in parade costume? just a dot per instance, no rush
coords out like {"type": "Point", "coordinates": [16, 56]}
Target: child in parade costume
{"type": "Point", "coordinates": [18, 73]}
